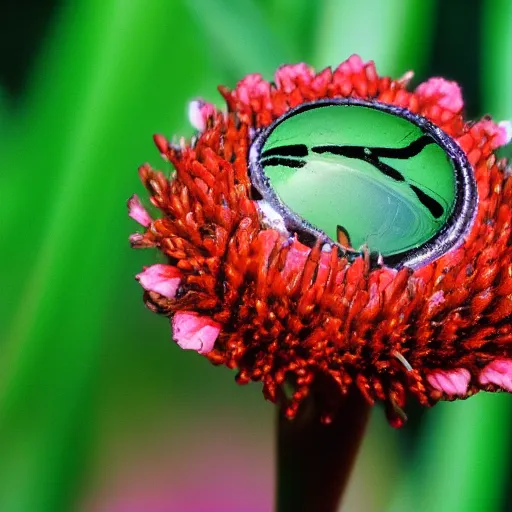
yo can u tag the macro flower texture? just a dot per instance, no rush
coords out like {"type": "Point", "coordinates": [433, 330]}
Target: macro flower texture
{"type": "Point", "coordinates": [337, 231]}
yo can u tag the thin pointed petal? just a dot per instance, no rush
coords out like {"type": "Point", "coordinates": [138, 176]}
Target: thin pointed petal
{"type": "Point", "coordinates": [137, 212]}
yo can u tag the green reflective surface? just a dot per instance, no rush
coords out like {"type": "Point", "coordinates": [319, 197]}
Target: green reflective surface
{"type": "Point", "coordinates": [377, 175]}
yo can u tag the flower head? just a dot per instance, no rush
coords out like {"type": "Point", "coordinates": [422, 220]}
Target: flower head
{"type": "Point", "coordinates": [258, 288]}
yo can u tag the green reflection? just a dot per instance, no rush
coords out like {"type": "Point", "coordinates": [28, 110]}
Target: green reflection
{"type": "Point", "coordinates": [378, 175]}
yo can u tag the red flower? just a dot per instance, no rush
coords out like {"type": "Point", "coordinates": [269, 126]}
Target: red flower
{"type": "Point", "coordinates": [251, 298]}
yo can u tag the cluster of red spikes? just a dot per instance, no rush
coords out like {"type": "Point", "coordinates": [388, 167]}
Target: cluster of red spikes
{"type": "Point", "coordinates": [290, 315]}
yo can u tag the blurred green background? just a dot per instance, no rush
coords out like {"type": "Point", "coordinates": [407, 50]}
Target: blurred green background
{"type": "Point", "coordinates": [99, 410]}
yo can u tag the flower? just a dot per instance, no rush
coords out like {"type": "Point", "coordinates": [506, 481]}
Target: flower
{"type": "Point", "coordinates": [246, 292]}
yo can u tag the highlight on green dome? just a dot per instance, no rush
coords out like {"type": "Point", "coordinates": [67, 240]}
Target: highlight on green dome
{"type": "Point", "coordinates": [365, 174]}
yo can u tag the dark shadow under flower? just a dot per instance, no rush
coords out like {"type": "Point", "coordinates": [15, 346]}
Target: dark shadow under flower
{"type": "Point", "coordinates": [242, 290]}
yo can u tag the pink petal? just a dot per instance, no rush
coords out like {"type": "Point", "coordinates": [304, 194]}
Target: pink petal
{"type": "Point", "coordinates": [135, 238]}
{"type": "Point", "coordinates": [252, 86]}
{"type": "Point", "coordinates": [194, 332]}
{"type": "Point", "coordinates": [499, 134]}
{"type": "Point", "coordinates": [287, 77]}
{"type": "Point", "coordinates": [140, 241]}
{"type": "Point", "coordinates": [137, 212]}
{"type": "Point", "coordinates": [499, 372]}
{"type": "Point", "coordinates": [162, 279]}
{"type": "Point", "coordinates": [447, 93]}
{"type": "Point", "coordinates": [354, 64]}
{"type": "Point", "coordinates": [505, 128]}
{"type": "Point", "coordinates": [451, 382]}
{"type": "Point", "coordinates": [198, 112]}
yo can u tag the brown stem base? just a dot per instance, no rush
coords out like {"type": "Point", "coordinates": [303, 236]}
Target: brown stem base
{"type": "Point", "coordinates": [314, 460]}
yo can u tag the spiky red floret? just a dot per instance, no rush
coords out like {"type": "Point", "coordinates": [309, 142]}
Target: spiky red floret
{"type": "Point", "coordinates": [289, 313]}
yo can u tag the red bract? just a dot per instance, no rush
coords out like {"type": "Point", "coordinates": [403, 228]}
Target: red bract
{"type": "Point", "coordinates": [280, 312]}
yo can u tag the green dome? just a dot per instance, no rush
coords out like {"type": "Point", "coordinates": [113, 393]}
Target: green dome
{"type": "Point", "coordinates": [364, 174]}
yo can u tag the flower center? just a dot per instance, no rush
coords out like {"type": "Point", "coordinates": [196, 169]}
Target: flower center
{"type": "Point", "coordinates": [362, 173]}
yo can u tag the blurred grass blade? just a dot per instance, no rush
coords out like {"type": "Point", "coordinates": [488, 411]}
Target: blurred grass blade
{"type": "Point", "coordinates": [295, 22]}
{"type": "Point", "coordinates": [395, 34]}
{"type": "Point", "coordinates": [466, 445]}
{"type": "Point", "coordinates": [496, 58]}
{"type": "Point", "coordinates": [4, 117]}
{"type": "Point", "coordinates": [462, 461]}
{"type": "Point", "coordinates": [6, 212]}
{"type": "Point", "coordinates": [143, 60]}
{"type": "Point", "coordinates": [242, 40]}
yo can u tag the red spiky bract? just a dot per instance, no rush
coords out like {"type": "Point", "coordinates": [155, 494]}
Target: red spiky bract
{"type": "Point", "coordinates": [291, 314]}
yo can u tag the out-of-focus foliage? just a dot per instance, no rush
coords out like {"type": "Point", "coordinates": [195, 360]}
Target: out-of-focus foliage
{"type": "Point", "coordinates": [99, 410]}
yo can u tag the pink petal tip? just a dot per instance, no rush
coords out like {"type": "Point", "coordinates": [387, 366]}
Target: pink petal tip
{"type": "Point", "coordinates": [354, 64]}
{"type": "Point", "coordinates": [162, 279]}
{"type": "Point", "coordinates": [195, 332]}
{"type": "Point", "coordinates": [286, 77]}
{"type": "Point", "coordinates": [505, 133]}
{"type": "Point", "coordinates": [449, 95]}
{"type": "Point", "coordinates": [137, 212]}
{"type": "Point", "coordinates": [499, 373]}
{"type": "Point", "coordinates": [252, 86]}
{"type": "Point", "coordinates": [450, 382]}
{"type": "Point", "coordinates": [198, 112]}
{"type": "Point", "coordinates": [135, 238]}
{"type": "Point", "coordinates": [499, 134]}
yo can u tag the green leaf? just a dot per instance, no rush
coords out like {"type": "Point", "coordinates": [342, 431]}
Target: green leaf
{"type": "Point", "coordinates": [460, 464]}
{"type": "Point", "coordinates": [240, 41]}
{"type": "Point", "coordinates": [294, 22]}
{"type": "Point", "coordinates": [463, 458]}
{"type": "Point", "coordinates": [496, 56]}
{"type": "Point", "coordinates": [395, 34]}
{"type": "Point", "coordinates": [115, 73]}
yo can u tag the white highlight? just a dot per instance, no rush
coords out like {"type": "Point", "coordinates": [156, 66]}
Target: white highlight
{"type": "Point", "coordinates": [507, 127]}
{"type": "Point", "coordinates": [406, 77]}
{"type": "Point", "coordinates": [271, 218]}
{"type": "Point", "coordinates": [195, 115]}
{"type": "Point", "coordinates": [402, 359]}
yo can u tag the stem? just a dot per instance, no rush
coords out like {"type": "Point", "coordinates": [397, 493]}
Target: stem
{"type": "Point", "coordinates": [315, 460]}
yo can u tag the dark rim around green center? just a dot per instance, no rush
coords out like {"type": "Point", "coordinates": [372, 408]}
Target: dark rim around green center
{"type": "Point", "coordinates": [462, 209]}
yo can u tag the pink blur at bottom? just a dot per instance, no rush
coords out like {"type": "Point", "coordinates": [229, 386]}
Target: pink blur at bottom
{"type": "Point", "coordinates": [211, 469]}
